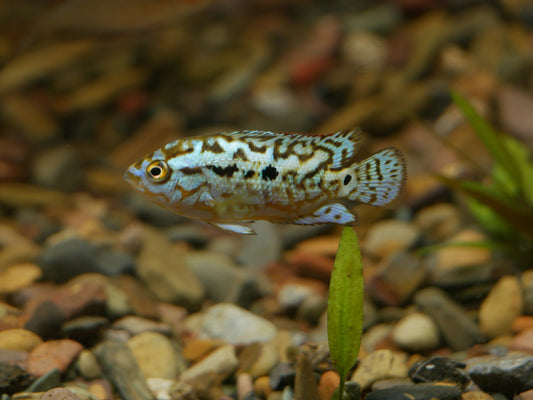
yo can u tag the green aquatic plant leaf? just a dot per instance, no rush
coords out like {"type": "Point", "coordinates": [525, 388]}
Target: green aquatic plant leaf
{"type": "Point", "coordinates": [345, 305]}
{"type": "Point", "coordinates": [493, 141]}
{"type": "Point", "coordinates": [512, 211]}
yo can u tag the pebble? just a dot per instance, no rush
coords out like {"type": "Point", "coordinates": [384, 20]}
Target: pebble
{"type": "Point", "coordinates": [18, 276]}
{"type": "Point", "coordinates": [235, 325]}
{"type": "Point", "coordinates": [378, 365]}
{"type": "Point", "coordinates": [70, 257]}
{"type": "Point", "coordinates": [396, 278]}
{"type": "Point", "coordinates": [527, 288]}
{"type": "Point", "coordinates": [13, 378]}
{"type": "Point", "coordinates": [440, 369]}
{"type": "Point", "coordinates": [88, 366]}
{"type": "Point", "coordinates": [311, 264]}
{"type": "Point", "coordinates": [19, 339]}
{"type": "Point", "coordinates": [455, 325]}
{"type": "Point", "coordinates": [86, 329]}
{"type": "Point", "coordinates": [50, 380]}
{"type": "Point", "coordinates": [462, 265]}
{"type": "Point", "coordinates": [135, 325]}
{"type": "Point", "coordinates": [58, 168]}
{"type": "Point", "coordinates": [196, 349]}
{"type": "Point", "coordinates": [59, 394]}
{"type": "Point", "coordinates": [476, 395]}
{"type": "Point", "coordinates": [390, 236]}
{"type": "Point", "coordinates": [262, 387]}
{"type": "Point", "coordinates": [501, 307]}
{"type": "Point", "coordinates": [160, 388]}
{"type": "Point", "coordinates": [510, 374]}
{"type": "Point", "coordinates": [259, 359]}
{"type": "Point", "coordinates": [329, 381]}
{"type": "Point", "coordinates": [438, 222]}
{"type": "Point", "coordinates": [416, 333]}
{"type": "Point", "coordinates": [164, 269]}
{"type": "Point", "coordinates": [523, 341]}
{"type": "Point", "coordinates": [53, 354]}
{"type": "Point", "coordinates": [45, 319]}
{"type": "Point", "coordinates": [222, 279]}
{"type": "Point", "coordinates": [120, 368]}
{"type": "Point", "coordinates": [282, 375]}
{"type": "Point", "coordinates": [221, 362]}
{"type": "Point", "coordinates": [258, 250]}
{"type": "Point", "coordinates": [155, 355]}
{"type": "Point", "coordinates": [422, 391]}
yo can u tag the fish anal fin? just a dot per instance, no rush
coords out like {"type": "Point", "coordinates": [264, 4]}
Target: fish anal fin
{"type": "Point", "coordinates": [233, 227]}
{"type": "Point", "coordinates": [329, 214]}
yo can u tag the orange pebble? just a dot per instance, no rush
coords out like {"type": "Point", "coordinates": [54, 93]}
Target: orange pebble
{"type": "Point", "coordinates": [329, 381]}
{"type": "Point", "coordinates": [522, 323]}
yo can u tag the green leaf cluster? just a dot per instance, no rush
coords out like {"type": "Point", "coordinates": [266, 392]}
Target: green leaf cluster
{"type": "Point", "coordinates": [503, 207]}
{"type": "Point", "coordinates": [345, 306]}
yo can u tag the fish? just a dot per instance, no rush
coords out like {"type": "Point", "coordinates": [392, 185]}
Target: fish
{"type": "Point", "coordinates": [232, 179]}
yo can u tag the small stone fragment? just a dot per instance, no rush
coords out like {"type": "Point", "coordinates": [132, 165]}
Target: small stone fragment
{"type": "Point", "coordinates": [154, 355]}
{"type": "Point", "coordinates": [329, 381]}
{"type": "Point", "coordinates": [121, 369]}
{"type": "Point", "coordinates": [422, 391]}
{"type": "Point", "coordinates": [221, 362]}
{"type": "Point", "coordinates": [53, 354]}
{"type": "Point", "coordinates": [13, 379]}
{"type": "Point", "coordinates": [58, 394]}
{"type": "Point", "coordinates": [439, 369]}
{"type": "Point", "coordinates": [18, 276]}
{"type": "Point", "coordinates": [455, 325]}
{"type": "Point", "coordinates": [510, 374]}
{"type": "Point", "coordinates": [501, 307]}
{"type": "Point", "coordinates": [381, 364]}
{"type": "Point", "coordinates": [305, 387]}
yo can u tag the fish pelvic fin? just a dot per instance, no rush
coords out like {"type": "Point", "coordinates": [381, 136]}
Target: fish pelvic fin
{"type": "Point", "coordinates": [379, 179]}
{"type": "Point", "coordinates": [234, 227]}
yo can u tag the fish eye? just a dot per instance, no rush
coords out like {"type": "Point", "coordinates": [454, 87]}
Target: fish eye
{"type": "Point", "coordinates": [158, 171]}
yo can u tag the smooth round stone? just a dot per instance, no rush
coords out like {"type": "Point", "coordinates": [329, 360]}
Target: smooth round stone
{"type": "Point", "coordinates": [88, 366]}
{"type": "Point", "coordinates": [18, 276]}
{"type": "Point", "coordinates": [327, 384]}
{"type": "Point", "coordinates": [154, 354]}
{"type": "Point", "coordinates": [19, 339]}
{"type": "Point", "coordinates": [265, 360]}
{"type": "Point", "coordinates": [381, 364]}
{"type": "Point", "coordinates": [235, 325]}
{"type": "Point", "coordinates": [416, 333]}
{"type": "Point", "coordinates": [460, 265]}
{"type": "Point", "coordinates": [501, 307]}
{"type": "Point", "coordinates": [390, 236]}
{"type": "Point", "coordinates": [438, 222]}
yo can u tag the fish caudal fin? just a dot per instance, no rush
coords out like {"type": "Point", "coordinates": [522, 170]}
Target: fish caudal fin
{"type": "Point", "coordinates": [380, 178]}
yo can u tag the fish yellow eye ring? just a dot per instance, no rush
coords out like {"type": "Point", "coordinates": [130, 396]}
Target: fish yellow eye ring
{"type": "Point", "coordinates": [157, 171]}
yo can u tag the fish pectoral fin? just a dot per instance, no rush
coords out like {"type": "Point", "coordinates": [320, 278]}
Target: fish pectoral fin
{"type": "Point", "coordinates": [329, 214]}
{"type": "Point", "coordinates": [237, 228]}
{"type": "Point", "coordinates": [207, 199]}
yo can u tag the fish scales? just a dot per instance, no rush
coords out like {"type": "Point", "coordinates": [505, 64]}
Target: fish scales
{"type": "Point", "coordinates": [231, 178]}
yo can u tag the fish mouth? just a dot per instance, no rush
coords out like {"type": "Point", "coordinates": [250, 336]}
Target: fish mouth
{"type": "Point", "coordinates": [132, 179]}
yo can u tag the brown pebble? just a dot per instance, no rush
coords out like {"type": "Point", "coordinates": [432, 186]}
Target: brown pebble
{"type": "Point", "coordinates": [59, 394]}
{"type": "Point", "coordinates": [525, 395]}
{"type": "Point", "coordinates": [523, 341]}
{"type": "Point", "coordinates": [19, 339]}
{"type": "Point", "coordinates": [262, 387]}
{"type": "Point", "coordinates": [198, 348]}
{"type": "Point", "coordinates": [329, 381]}
{"type": "Point", "coordinates": [476, 395]}
{"type": "Point", "coordinates": [53, 354]}
{"type": "Point", "coordinates": [523, 323]}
